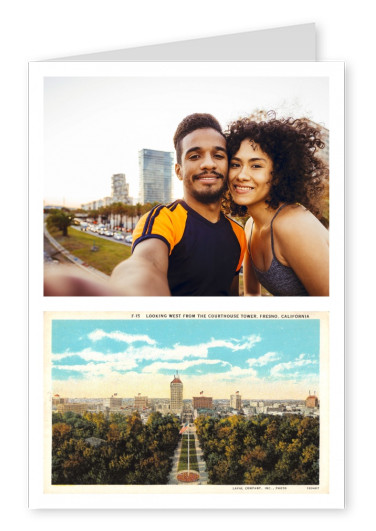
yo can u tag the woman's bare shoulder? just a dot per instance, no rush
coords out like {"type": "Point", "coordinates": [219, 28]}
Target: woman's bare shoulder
{"type": "Point", "coordinates": [248, 227]}
{"type": "Point", "coordinates": [296, 219]}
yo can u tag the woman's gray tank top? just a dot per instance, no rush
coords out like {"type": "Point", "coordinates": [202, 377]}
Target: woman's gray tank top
{"type": "Point", "coordinates": [279, 280]}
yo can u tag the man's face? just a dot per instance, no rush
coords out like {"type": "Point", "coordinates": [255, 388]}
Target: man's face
{"type": "Point", "coordinates": [204, 166]}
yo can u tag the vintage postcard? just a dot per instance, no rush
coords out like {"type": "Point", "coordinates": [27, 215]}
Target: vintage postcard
{"type": "Point", "coordinates": [230, 403]}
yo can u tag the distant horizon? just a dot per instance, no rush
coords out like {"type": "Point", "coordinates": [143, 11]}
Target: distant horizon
{"type": "Point", "coordinates": [187, 399]}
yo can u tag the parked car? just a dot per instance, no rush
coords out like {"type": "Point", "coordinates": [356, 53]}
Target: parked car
{"type": "Point", "coordinates": [118, 236]}
{"type": "Point", "coordinates": [128, 239]}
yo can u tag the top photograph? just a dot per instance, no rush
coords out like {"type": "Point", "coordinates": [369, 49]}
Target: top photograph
{"type": "Point", "coordinates": [186, 185]}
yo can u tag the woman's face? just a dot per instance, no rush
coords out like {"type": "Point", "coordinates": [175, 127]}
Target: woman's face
{"type": "Point", "coordinates": [250, 174]}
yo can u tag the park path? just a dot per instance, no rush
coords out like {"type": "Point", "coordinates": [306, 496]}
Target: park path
{"type": "Point", "coordinates": [200, 461]}
{"type": "Point", "coordinates": [175, 461]}
{"type": "Point", "coordinates": [203, 480]}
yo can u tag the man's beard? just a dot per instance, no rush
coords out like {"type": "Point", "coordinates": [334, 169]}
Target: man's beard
{"type": "Point", "coordinates": [211, 195]}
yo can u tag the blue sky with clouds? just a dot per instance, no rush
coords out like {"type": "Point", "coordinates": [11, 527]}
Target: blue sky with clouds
{"type": "Point", "coordinates": [92, 357]}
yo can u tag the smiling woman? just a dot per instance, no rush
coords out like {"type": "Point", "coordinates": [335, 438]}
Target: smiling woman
{"type": "Point", "coordinates": [276, 178]}
{"type": "Point", "coordinates": [250, 175]}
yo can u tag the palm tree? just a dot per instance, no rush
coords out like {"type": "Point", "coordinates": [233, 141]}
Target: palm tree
{"type": "Point", "coordinates": [60, 220]}
{"type": "Point", "coordinates": [118, 210]}
{"type": "Point", "coordinates": [132, 213]}
{"type": "Point", "coordinates": [104, 212]}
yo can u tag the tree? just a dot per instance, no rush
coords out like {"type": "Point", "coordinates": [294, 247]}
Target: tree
{"type": "Point", "coordinates": [60, 220]}
{"type": "Point", "coordinates": [99, 423]}
{"type": "Point", "coordinates": [104, 212]}
{"type": "Point", "coordinates": [132, 213]}
{"type": "Point", "coordinates": [61, 432]}
{"type": "Point", "coordinates": [93, 214]}
{"type": "Point", "coordinates": [117, 211]}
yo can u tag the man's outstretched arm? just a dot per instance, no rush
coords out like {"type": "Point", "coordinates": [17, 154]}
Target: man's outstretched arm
{"type": "Point", "coordinates": [145, 272]}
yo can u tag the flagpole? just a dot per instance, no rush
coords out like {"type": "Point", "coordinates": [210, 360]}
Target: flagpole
{"type": "Point", "coordinates": [188, 449]}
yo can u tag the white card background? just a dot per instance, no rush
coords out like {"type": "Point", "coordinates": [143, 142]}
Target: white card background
{"type": "Point", "coordinates": [342, 34]}
{"type": "Point", "coordinates": [275, 74]}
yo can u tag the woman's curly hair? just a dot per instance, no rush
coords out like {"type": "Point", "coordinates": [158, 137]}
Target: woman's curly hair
{"type": "Point", "coordinates": [298, 175]}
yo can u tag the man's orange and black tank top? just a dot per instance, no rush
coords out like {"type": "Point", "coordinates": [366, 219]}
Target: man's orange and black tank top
{"type": "Point", "coordinates": [204, 257]}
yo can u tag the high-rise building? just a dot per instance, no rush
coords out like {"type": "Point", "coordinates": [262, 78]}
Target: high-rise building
{"type": "Point", "coordinates": [119, 194]}
{"type": "Point", "coordinates": [176, 395]}
{"type": "Point", "coordinates": [202, 402]}
{"type": "Point", "coordinates": [113, 403]}
{"type": "Point", "coordinates": [156, 174]}
{"type": "Point", "coordinates": [120, 188]}
{"type": "Point", "coordinates": [141, 402]}
{"type": "Point", "coordinates": [57, 399]}
{"type": "Point", "coordinates": [236, 401]}
{"type": "Point", "coordinates": [312, 401]}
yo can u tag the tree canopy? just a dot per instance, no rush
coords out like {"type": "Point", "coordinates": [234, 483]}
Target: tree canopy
{"type": "Point", "coordinates": [126, 451]}
{"type": "Point", "coordinates": [262, 450]}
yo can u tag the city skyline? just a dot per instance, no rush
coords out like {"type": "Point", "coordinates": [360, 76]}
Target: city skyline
{"type": "Point", "coordinates": [94, 127]}
{"type": "Point", "coordinates": [269, 359]}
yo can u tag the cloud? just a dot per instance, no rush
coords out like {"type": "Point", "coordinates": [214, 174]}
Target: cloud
{"type": "Point", "coordinates": [151, 351]}
{"type": "Point", "coordinates": [301, 361]}
{"type": "Point", "coordinates": [98, 334]}
{"type": "Point", "coordinates": [247, 342]}
{"type": "Point", "coordinates": [238, 372]}
{"type": "Point", "coordinates": [181, 366]}
{"type": "Point", "coordinates": [263, 360]}
{"type": "Point", "coordinates": [93, 363]}
{"type": "Point", "coordinates": [93, 370]}
{"type": "Point", "coordinates": [91, 355]}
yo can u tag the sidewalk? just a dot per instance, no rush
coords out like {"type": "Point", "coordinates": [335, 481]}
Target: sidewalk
{"type": "Point", "coordinates": [201, 463]}
{"type": "Point", "coordinates": [175, 461]}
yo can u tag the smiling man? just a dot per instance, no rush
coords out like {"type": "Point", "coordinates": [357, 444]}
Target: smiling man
{"type": "Point", "coordinates": [189, 247]}
{"type": "Point", "coordinates": [186, 248]}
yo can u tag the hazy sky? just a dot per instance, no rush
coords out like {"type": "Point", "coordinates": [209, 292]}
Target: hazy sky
{"type": "Point", "coordinates": [95, 126]}
{"type": "Point", "coordinates": [259, 358]}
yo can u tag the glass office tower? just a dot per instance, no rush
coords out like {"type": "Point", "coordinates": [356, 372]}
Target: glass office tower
{"type": "Point", "coordinates": [156, 174]}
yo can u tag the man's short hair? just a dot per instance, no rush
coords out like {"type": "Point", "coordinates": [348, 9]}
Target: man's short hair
{"type": "Point", "coordinates": [190, 124]}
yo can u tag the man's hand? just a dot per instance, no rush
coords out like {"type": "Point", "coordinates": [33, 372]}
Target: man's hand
{"type": "Point", "coordinates": [145, 272]}
{"type": "Point", "coordinates": [69, 281]}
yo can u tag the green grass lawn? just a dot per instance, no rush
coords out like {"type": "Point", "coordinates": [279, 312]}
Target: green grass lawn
{"type": "Point", "coordinates": [108, 255]}
{"type": "Point", "coordinates": [183, 461]}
